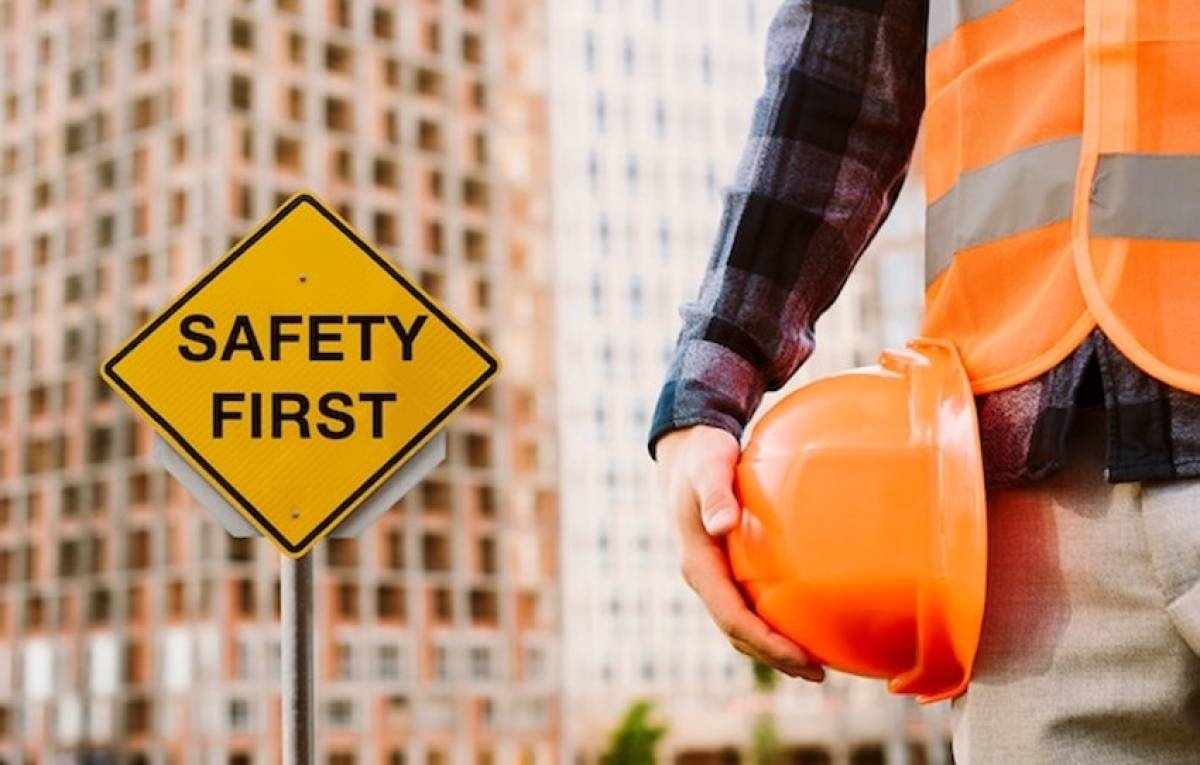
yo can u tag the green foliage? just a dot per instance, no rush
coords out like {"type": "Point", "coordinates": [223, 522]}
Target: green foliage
{"type": "Point", "coordinates": [765, 678]}
{"type": "Point", "coordinates": [635, 740]}
{"type": "Point", "coordinates": [766, 748]}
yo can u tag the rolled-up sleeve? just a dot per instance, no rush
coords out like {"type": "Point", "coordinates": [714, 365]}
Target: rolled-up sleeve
{"type": "Point", "coordinates": [829, 146]}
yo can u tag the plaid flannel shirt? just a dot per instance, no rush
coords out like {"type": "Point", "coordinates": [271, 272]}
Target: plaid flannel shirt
{"type": "Point", "coordinates": [830, 144]}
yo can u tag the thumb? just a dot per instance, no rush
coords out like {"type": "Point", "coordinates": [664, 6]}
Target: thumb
{"type": "Point", "coordinates": [719, 509]}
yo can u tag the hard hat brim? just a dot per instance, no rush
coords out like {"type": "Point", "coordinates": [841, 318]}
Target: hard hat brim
{"type": "Point", "coordinates": [953, 590]}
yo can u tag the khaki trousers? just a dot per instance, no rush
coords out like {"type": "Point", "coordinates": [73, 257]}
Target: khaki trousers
{"type": "Point", "coordinates": [1091, 637]}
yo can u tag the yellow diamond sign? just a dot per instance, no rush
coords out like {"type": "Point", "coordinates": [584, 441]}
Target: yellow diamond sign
{"type": "Point", "coordinates": [299, 372]}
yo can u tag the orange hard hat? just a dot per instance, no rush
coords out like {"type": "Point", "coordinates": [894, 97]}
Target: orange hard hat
{"type": "Point", "coordinates": [864, 535]}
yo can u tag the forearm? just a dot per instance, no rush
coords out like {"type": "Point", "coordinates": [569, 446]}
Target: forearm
{"type": "Point", "coordinates": [830, 144]}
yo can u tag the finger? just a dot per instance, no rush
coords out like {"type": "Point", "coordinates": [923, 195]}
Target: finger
{"type": "Point", "coordinates": [812, 672]}
{"type": "Point", "coordinates": [707, 573]}
{"type": "Point", "coordinates": [713, 483]}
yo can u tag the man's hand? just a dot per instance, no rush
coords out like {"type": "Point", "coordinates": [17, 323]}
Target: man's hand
{"type": "Point", "coordinates": [696, 471]}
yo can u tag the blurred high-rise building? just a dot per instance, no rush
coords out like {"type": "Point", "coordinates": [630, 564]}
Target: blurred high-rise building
{"type": "Point", "coordinates": [650, 104]}
{"type": "Point", "coordinates": [138, 140]}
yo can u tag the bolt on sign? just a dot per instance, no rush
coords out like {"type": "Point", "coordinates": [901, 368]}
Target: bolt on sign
{"type": "Point", "coordinates": [299, 372]}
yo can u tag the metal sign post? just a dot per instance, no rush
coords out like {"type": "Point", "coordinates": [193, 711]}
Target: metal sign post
{"type": "Point", "coordinates": [296, 650]}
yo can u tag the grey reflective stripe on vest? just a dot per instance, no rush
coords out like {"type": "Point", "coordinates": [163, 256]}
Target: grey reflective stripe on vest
{"type": "Point", "coordinates": [1027, 189]}
{"type": "Point", "coordinates": [1146, 196]}
{"type": "Point", "coordinates": [946, 15]}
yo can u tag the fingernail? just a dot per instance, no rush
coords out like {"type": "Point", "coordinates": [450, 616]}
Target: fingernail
{"type": "Point", "coordinates": [805, 670]}
{"type": "Point", "coordinates": [720, 521]}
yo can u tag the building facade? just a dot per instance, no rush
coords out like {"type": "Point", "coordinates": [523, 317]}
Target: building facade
{"type": "Point", "coordinates": [650, 107]}
{"type": "Point", "coordinates": [138, 140]}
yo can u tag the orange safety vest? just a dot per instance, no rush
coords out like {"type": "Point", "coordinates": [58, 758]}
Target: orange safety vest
{"type": "Point", "coordinates": [1062, 169]}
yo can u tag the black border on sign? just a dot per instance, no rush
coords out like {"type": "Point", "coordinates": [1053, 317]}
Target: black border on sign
{"type": "Point", "coordinates": [110, 368]}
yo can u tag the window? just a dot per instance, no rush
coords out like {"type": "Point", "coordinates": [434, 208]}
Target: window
{"type": "Point", "coordinates": [381, 23]}
{"type": "Point", "coordinates": [347, 600]}
{"type": "Point", "coordinates": [139, 488]}
{"type": "Point", "coordinates": [481, 663]}
{"type": "Point", "coordinates": [478, 450]}
{"type": "Point", "coordinates": [387, 665]}
{"type": "Point", "coordinates": [76, 137]}
{"type": "Point", "coordinates": [441, 663]}
{"type": "Point", "coordinates": [479, 146]}
{"type": "Point", "coordinates": [601, 113]}
{"type": "Point", "coordinates": [385, 229]}
{"type": "Point", "coordinates": [394, 550]}
{"type": "Point", "coordinates": [68, 558]}
{"type": "Point", "coordinates": [389, 602]}
{"type": "Point", "coordinates": [475, 193]}
{"type": "Point", "coordinates": [340, 13]}
{"type": "Point", "coordinates": [344, 661]}
{"type": "Point", "coordinates": [342, 553]}
{"type": "Point", "coordinates": [241, 34]}
{"type": "Point", "coordinates": [106, 174]}
{"type": "Point", "coordinates": [143, 112]}
{"type": "Point", "coordinates": [240, 717]}
{"type": "Point", "coordinates": [295, 104]}
{"type": "Point", "coordinates": [137, 716]}
{"type": "Point", "coordinates": [472, 48]}
{"type": "Point", "coordinates": [241, 92]}
{"type": "Point", "coordinates": [296, 47]}
{"type": "Point", "coordinates": [429, 82]}
{"type": "Point", "coordinates": [429, 135]}
{"type": "Point", "coordinates": [241, 661]}
{"type": "Point", "coordinates": [138, 551]}
{"type": "Point", "coordinates": [339, 713]}
{"type": "Point", "coordinates": [338, 114]}
{"type": "Point", "coordinates": [433, 37]}
{"type": "Point", "coordinates": [435, 552]}
{"type": "Point", "coordinates": [244, 201]}
{"type": "Point", "coordinates": [486, 500]}
{"type": "Point", "coordinates": [391, 127]}
{"type": "Point", "coordinates": [178, 208]}
{"type": "Point", "coordinates": [479, 95]}
{"type": "Point", "coordinates": [384, 173]}
{"type": "Point", "coordinates": [391, 71]}
{"type": "Point", "coordinates": [338, 59]}
{"type": "Point", "coordinates": [474, 246]}
{"type": "Point", "coordinates": [241, 550]}
{"type": "Point", "coordinates": [435, 495]}
{"type": "Point", "coordinates": [343, 167]}
{"type": "Point", "coordinates": [430, 282]}
{"type": "Point", "coordinates": [487, 555]}
{"type": "Point", "coordinates": [244, 597]}
{"type": "Point", "coordinates": [535, 663]}
{"type": "Point", "coordinates": [443, 608]}
{"type": "Point", "coordinates": [176, 599]}
{"type": "Point", "coordinates": [433, 238]}
{"type": "Point", "coordinates": [484, 606]}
